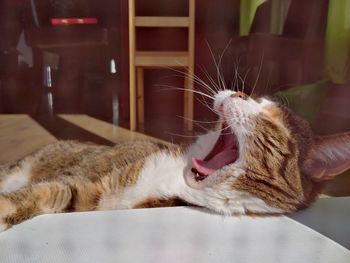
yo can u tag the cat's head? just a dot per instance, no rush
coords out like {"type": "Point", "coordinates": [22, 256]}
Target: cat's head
{"type": "Point", "coordinates": [264, 159]}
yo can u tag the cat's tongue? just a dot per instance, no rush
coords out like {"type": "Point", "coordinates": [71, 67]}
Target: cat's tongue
{"type": "Point", "coordinates": [218, 161]}
{"type": "Point", "coordinates": [223, 153]}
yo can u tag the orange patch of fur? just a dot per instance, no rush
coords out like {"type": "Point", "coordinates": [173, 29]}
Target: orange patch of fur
{"type": "Point", "coordinates": [273, 174]}
{"type": "Point", "coordinates": [159, 202]}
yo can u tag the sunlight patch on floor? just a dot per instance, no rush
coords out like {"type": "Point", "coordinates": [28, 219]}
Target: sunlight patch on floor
{"type": "Point", "coordinates": [20, 135]}
{"type": "Point", "coordinates": [106, 130]}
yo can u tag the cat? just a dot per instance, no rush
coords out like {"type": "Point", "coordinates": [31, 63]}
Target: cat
{"type": "Point", "coordinates": [262, 159]}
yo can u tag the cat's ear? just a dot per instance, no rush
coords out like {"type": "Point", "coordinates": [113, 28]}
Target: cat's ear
{"type": "Point", "coordinates": [329, 157]}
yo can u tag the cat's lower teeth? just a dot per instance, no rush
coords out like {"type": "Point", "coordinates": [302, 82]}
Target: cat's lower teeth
{"type": "Point", "coordinates": [200, 177]}
{"type": "Point", "coordinates": [197, 175]}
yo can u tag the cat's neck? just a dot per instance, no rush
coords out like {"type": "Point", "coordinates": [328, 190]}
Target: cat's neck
{"type": "Point", "coordinates": [163, 173]}
{"type": "Point", "coordinates": [162, 181]}
{"type": "Point", "coordinates": [161, 178]}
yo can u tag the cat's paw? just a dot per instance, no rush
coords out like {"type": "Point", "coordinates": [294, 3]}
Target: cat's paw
{"type": "Point", "coordinates": [6, 209]}
{"type": "Point", "coordinates": [3, 227]}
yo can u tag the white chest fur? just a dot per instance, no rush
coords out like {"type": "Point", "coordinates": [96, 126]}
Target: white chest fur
{"type": "Point", "coordinates": [161, 177]}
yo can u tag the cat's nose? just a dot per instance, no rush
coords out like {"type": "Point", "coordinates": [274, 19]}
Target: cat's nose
{"type": "Point", "coordinates": [239, 94]}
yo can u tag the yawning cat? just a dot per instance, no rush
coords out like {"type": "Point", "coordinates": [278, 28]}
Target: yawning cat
{"type": "Point", "coordinates": [263, 159]}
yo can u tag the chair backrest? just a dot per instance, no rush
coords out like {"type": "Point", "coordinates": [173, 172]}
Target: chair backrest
{"type": "Point", "coordinates": [167, 58]}
{"type": "Point", "coordinates": [161, 18]}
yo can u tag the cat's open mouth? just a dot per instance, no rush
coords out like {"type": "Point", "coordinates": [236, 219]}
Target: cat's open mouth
{"type": "Point", "coordinates": [224, 152]}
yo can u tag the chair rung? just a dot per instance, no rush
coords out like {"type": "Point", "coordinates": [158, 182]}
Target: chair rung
{"type": "Point", "coordinates": [161, 58]}
{"type": "Point", "coordinates": [162, 21]}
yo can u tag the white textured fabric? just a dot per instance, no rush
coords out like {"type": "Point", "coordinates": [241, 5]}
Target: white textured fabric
{"type": "Point", "coordinates": [166, 235]}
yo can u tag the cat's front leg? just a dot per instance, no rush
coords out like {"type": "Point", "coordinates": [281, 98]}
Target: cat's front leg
{"type": "Point", "coordinates": [41, 198]}
{"type": "Point", "coordinates": [7, 208]}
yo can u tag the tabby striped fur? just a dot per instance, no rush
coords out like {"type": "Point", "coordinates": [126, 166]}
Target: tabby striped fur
{"type": "Point", "coordinates": [277, 170]}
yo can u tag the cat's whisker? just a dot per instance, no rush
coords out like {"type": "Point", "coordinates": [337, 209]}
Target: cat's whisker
{"type": "Point", "coordinates": [204, 122]}
{"type": "Point", "coordinates": [210, 79]}
{"type": "Point", "coordinates": [183, 89]}
{"type": "Point", "coordinates": [220, 71]}
{"type": "Point", "coordinates": [258, 76]}
{"type": "Point", "coordinates": [210, 89]}
{"type": "Point", "coordinates": [283, 99]}
{"type": "Point", "coordinates": [202, 84]}
{"type": "Point", "coordinates": [187, 75]}
{"type": "Point", "coordinates": [242, 79]}
{"type": "Point", "coordinates": [182, 135]}
{"type": "Point", "coordinates": [196, 136]}
{"type": "Point", "coordinates": [245, 78]}
{"type": "Point", "coordinates": [286, 98]}
{"type": "Point", "coordinates": [193, 77]}
{"type": "Point", "coordinates": [216, 65]}
{"type": "Point", "coordinates": [221, 130]}
{"type": "Point", "coordinates": [202, 127]}
{"type": "Point", "coordinates": [234, 80]}
{"type": "Point", "coordinates": [199, 121]}
{"type": "Point", "coordinates": [268, 80]}
{"type": "Point", "coordinates": [205, 104]}
{"type": "Point", "coordinates": [237, 75]}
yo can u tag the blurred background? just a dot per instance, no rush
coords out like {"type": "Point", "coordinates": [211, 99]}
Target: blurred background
{"type": "Point", "coordinates": [71, 58]}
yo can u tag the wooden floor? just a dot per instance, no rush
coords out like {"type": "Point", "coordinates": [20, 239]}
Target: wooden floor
{"type": "Point", "coordinates": [20, 135]}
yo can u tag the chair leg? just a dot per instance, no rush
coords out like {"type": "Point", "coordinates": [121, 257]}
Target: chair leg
{"type": "Point", "coordinates": [140, 95]}
{"type": "Point", "coordinates": [188, 104]}
{"type": "Point", "coordinates": [132, 66]}
{"type": "Point", "coordinates": [132, 92]}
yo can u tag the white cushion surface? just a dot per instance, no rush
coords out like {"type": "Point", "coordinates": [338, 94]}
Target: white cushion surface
{"type": "Point", "coordinates": [179, 234]}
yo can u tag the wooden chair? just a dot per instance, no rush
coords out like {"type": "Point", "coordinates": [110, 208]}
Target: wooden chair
{"type": "Point", "coordinates": [138, 60]}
